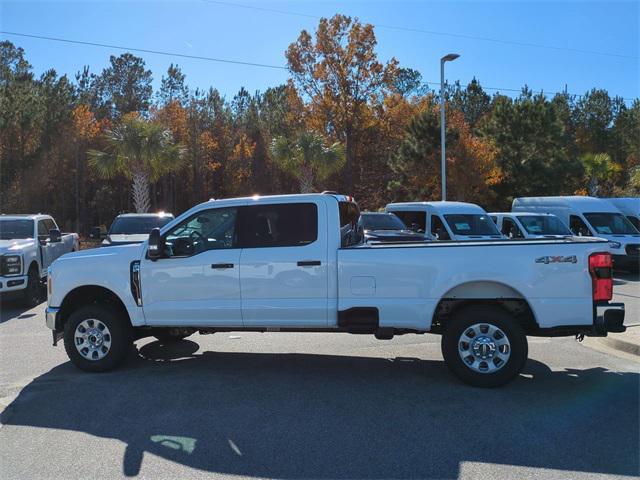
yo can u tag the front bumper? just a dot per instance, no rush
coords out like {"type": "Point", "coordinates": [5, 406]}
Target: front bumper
{"type": "Point", "coordinates": [13, 283]}
{"type": "Point", "coordinates": [609, 318]}
{"type": "Point", "coordinates": [51, 314]}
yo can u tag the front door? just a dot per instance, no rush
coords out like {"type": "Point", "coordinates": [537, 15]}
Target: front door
{"type": "Point", "coordinates": [283, 266]}
{"type": "Point", "coordinates": [197, 282]}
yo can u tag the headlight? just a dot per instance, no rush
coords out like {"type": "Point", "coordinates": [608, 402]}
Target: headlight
{"type": "Point", "coordinates": [613, 244]}
{"type": "Point", "coordinates": [11, 265]}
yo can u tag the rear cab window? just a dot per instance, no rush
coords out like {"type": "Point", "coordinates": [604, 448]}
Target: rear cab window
{"type": "Point", "coordinates": [278, 225]}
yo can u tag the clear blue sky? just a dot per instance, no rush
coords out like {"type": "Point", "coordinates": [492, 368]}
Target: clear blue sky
{"type": "Point", "coordinates": [225, 31]}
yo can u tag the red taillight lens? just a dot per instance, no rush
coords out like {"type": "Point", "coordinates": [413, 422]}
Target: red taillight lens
{"type": "Point", "coordinates": [600, 267]}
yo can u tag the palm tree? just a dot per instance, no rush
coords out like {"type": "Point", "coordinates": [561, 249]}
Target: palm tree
{"type": "Point", "coordinates": [598, 169]}
{"type": "Point", "coordinates": [140, 150]}
{"type": "Point", "coordinates": [308, 158]}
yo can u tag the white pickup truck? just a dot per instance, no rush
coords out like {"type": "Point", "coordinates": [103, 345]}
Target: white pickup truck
{"type": "Point", "coordinates": [293, 263]}
{"type": "Point", "coordinates": [28, 245]}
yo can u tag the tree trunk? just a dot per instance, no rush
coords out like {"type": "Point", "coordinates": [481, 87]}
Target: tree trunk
{"type": "Point", "coordinates": [140, 191]}
{"type": "Point", "coordinates": [305, 178]}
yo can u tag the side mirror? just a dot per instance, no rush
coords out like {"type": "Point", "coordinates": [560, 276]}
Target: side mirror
{"type": "Point", "coordinates": [156, 245]}
{"type": "Point", "coordinates": [55, 236]}
{"type": "Point", "coordinates": [95, 233]}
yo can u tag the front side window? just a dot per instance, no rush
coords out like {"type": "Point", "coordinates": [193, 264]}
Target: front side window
{"type": "Point", "coordinates": [578, 227]}
{"type": "Point", "coordinates": [438, 229]}
{"type": "Point", "coordinates": [50, 224]}
{"type": "Point", "coordinates": [471, 224]}
{"type": "Point", "coordinates": [510, 229]}
{"type": "Point", "coordinates": [416, 221]}
{"type": "Point", "coordinates": [43, 231]}
{"type": "Point", "coordinates": [16, 229]}
{"type": "Point", "coordinates": [206, 230]}
{"type": "Point", "coordinates": [278, 225]}
{"type": "Point", "coordinates": [610, 224]}
{"type": "Point", "coordinates": [635, 221]}
{"type": "Point", "coordinates": [544, 225]}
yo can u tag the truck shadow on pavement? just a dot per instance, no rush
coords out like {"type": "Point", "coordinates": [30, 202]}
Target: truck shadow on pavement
{"type": "Point", "coordinates": [324, 416]}
{"type": "Point", "coordinates": [11, 309]}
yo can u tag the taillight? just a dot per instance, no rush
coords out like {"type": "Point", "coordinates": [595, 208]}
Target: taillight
{"type": "Point", "coordinates": [600, 267]}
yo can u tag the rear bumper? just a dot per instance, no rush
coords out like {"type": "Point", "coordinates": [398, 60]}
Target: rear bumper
{"type": "Point", "coordinates": [609, 318]}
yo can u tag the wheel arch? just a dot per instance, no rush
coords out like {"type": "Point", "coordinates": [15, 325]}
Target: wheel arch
{"type": "Point", "coordinates": [484, 292]}
{"type": "Point", "coordinates": [87, 295]}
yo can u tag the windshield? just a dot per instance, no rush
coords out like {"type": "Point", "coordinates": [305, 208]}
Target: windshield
{"type": "Point", "coordinates": [381, 222]}
{"type": "Point", "coordinates": [16, 229]}
{"type": "Point", "coordinates": [610, 224]}
{"type": "Point", "coordinates": [544, 225]}
{"type": "Point", "coordinates": [137, 225]}
{"type": "Point", "coordinates": [469, 224]}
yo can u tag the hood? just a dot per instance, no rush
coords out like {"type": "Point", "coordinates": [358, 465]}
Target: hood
{"type": "Point", "coordinates": [124, 238]}
{"type": "Point", "coordinates": [16, 245]}
{"type": "Point", "coordinates": [132, 250]}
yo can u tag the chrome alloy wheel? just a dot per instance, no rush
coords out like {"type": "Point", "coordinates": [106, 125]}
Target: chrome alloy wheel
{"type": "Point", "coordinates": [92, 339]}
{"type": "Point", "coordinates": [484, 348]}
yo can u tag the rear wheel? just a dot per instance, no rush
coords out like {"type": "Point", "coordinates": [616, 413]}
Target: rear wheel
{"type": "Point", "coordinates": [484, 346]}
{"type": "Point", "coordinates": [97, 338]}
{"type": "Point", "coordinates": [32, 294]}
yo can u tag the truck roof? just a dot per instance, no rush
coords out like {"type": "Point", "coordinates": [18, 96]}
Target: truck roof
{"type": "Point", "coordinates": [441, 207]}
{"type": "Point", "coordinates": [576, 202]}
{"type": "Point", "coordinates": [145, 215]}
{"type": "Point", "coordinates": [293, 196]}
{"type": "Point", "coordinates": [627, 205]}
{"type": "Point", "coordinates": [24, 216]}
{"type": "Point", "coordinates": [524, 214]}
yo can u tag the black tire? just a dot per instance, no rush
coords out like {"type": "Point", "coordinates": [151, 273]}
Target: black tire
{"type": "Point", "coordinates": [463, 320]}
{"type": "Point", "coordinates": [120, 333]}
{"type": "Point", "coordinates": [171, 335]}
{"type": "Point", "coordinates": [32, 294]}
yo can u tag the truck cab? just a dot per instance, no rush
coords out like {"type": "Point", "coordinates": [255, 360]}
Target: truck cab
{"type": "Point", "coordinates": [28, 245]}
{"type": "Point", "coordinates": [516, 225]}
{"type": "Point", "coordinates": [591, 217]}
{"type": "Point", "coordinates": [447, 220]}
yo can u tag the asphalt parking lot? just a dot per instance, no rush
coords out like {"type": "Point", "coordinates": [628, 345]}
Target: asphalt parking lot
{"type": "Point", "coordinates": [313, 406]}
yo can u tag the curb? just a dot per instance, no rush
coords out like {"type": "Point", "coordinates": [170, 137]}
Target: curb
{"type": "Point", "coordinates": [618, 342]}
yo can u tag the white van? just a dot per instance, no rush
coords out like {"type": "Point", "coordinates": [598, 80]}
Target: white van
{"type": "Point", "coordinates": [447, 220]}
{"type": "Point", "coordinates": [590, 216]}
{"type": "Point", "coordinates": [530, 225]}
{"type": "Point", "coordinates": [630, 207]}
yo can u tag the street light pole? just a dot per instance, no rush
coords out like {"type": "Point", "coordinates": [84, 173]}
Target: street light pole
{"type": "Point", "coordinates": [443, 160]}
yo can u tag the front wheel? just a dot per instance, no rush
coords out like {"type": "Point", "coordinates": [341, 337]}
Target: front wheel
{"type": "Point", "coordinates": [484, 346]}
{"type": "Point", "coordinates": [97, 338]}
{"type": "Point", "coordinates": [32, 294]}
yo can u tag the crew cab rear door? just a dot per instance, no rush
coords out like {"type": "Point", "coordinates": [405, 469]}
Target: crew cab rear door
{"type": "Point", "coordinates": [283, 264]}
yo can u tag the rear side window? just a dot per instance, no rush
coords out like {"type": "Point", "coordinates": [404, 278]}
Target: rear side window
{"type": "Point", "coordinates": [349, 213]}
{"type": "Point", "coordinates": [437, 228]}
{"type": "Point", "coordinates": [278, 225]}
{"type": "Point", "coordinates": [510, 229]}
{"type": "Point", "coordinates": [416, 221]}
{"type": "Point", "coordinates": [578, 227]}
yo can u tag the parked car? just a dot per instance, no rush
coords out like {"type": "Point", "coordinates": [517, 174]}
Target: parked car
{"type": "Point", "coordinates": [28, 245]}
{"type": "Point", "coordinates": [516, 225]}
{"type": "Point", "coordinates": [447, 220]}
{"type": "Point", "coordinates": [386, 227]}
{"type": "Point", "coordinates": [629, 207]}
{"type": "Point", "coordinates": [280, 264]}
{"type": "Point", "coordinates": [591, 217]}
{"type": "Point", "coordinates": [133, 227]}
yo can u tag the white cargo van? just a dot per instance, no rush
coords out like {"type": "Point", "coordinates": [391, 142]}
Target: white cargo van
{"type": "Point", "coordinates": [447, 220]}
{"type": "Point", "coordinates": [590, 216]}
{"type": "Point", "coordinates": [530, 225]}
{"type": "Point", "coordinates": [630, 207]}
